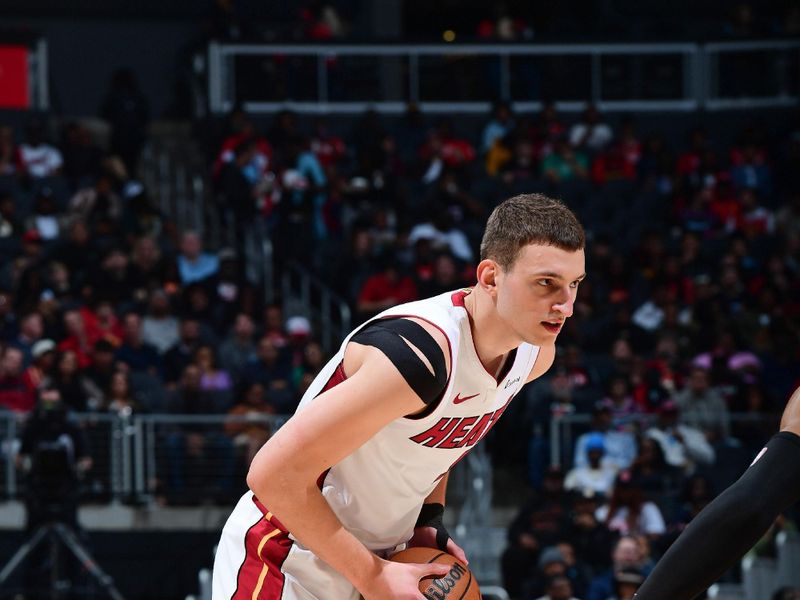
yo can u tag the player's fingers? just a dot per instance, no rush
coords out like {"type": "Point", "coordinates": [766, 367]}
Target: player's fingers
{"type": "Point", "coordinates": [456, 551]}
{"type": "Point", "coordinates": [435, 569]}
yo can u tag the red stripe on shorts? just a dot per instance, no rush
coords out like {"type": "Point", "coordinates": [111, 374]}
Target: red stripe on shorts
{"type": "Point", "coordinates": [275, 544]}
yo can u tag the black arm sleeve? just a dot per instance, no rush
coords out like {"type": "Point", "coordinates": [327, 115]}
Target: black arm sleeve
{"type": "Point", "coordinates": [390, 335]}
{"type": "Point", "coordinates": [730, 525]}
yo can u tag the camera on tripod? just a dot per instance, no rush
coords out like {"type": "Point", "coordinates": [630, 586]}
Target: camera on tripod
{"type": "Point", "coordinates": [53, 484]}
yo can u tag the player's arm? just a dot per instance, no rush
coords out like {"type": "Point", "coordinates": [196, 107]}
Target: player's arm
{"type": "Point", "coordinates": [284, 473]}
{"type": "Point", "coordinates": [735, 520]}
{"type": "Point", "coordinates": [430, 532]}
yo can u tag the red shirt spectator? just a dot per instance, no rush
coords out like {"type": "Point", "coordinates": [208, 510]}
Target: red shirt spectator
{"type": "Point", "coordinates": [15, 395]}
{"type": "Point", "coordinates": [385, 289]}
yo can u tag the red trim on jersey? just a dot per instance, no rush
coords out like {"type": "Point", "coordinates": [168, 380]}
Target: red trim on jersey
{"type": "Point", "coordinates": [457, 298]}
{"type": "Point", "coordinates": [272, 556]}
{"type": "Point", "coordinates": [338, 377]}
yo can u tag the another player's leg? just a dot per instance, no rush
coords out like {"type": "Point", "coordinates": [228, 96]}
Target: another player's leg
{"type": "Point", "coordinates": [734, 521]}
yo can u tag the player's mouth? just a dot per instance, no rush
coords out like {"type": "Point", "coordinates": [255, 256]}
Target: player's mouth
{"type": "Point", "coordinates": [553, 326]}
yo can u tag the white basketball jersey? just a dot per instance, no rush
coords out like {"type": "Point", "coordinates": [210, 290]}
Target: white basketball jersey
{"type": "Point", "coordinates": [378, 490]}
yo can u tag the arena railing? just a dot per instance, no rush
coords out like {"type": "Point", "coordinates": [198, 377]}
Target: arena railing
{"type": "Point", "coordinates": [462, 78]}
{"type": "Point", "coordinates": [304, 293]}
{"type": "Point", "coordinates": [563, 435]}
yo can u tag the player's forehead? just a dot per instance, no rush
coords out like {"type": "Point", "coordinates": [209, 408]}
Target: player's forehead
{"type": "Point", "coordinates": [552, 261]}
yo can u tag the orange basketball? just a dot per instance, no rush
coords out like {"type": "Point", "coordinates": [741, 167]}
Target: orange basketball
{"type": "Point", "coordinates": [458, 584]}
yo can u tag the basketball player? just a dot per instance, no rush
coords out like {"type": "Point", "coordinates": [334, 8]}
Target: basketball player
{"type": "Point", "coordinates": [361, 469]}
{"type": "Point", "coordinates": [735, 520]}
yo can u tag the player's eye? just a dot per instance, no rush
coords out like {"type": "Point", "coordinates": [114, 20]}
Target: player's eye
{"type": "Point", "coordinates": [545, 282]}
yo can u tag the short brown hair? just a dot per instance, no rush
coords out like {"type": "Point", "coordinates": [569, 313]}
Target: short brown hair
{"type": "Point", "coordinates": [529, 219]}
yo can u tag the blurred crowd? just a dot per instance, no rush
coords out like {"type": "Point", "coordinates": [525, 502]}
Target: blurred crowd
{"type": "Point", "coordinates": [684, 344]}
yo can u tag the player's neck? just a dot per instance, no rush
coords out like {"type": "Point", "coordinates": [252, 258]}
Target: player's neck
{"type": "Point", "coordinates": [493, 339]}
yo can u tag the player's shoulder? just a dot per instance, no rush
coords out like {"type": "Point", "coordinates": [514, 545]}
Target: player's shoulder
{"type": "Point", "coordinates": [357, 353]}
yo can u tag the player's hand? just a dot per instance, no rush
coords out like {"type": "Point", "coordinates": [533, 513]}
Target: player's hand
{"type": "Point", "coordinates": [425, 537]}
{"type": "Point", "coordinates": [401, 580]}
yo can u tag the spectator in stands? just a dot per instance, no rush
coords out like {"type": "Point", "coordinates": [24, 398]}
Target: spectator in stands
{"type": "Point", "coordinates": [590, 134]}
{"type": "Point", "coordinates": [446, 275]}
{"type": "Point", "coordinates": [10, 226]}
{"type": "Point", "coordinates": [537, 525]}
{"type": "Point", "coordinates": [98, 201]}
{"type": "Point", "coordinates": [238, 349]}
{"type": "Point", "coordinates": [565, 163]}
{"type": "Point", "coordinates": [703, 407]}
{"type": "Point", "coordinates": [15, 395]}
{"type": "Point", "coordinates": [243, 129]}
{"type": "Point", "coordinates": [628, 513]}
{"type": "Point", "coordinates": [39, 159]}
{"type": "Point", "coordinates": [620, 446]}
{"type": "Point", "coordinates": [43, 355]}
{"type": "Point", "coordinates": [268, 368]}
{"type": "Point", "coordinates": [77, 392]}
{"type": "Point", "coordinates": [159, 325]}
{"type": "Point", "coordinates": [249, 435]}
{"type": "Point", "coordinates": [105, 323]}
{"type": "Point", "coordinates": [177, 358]}
{"type": "Point", "coordinates": [119, 395]}
{"type": "Point", "coordinates": [501, 123]}
{"type": "Point", "coordinates": [114, 281]}
{"type": "Point", "coordinates": [212, 378]}
{"type": "Point", "coordinates": [386, 288]}
{"type": "Point", "coordinates": [626, 555]}
{"type": "Point", "coordinates": [650, 469]}
{"type": "Point", "coordinates": [590, 538]}
{"type": "Point", "coordinates": [82, 156]}
{"type": "Point", "coordinates": [197, 453]}
{"type": "Point", "coordinates": [134, 351]}
{"type": "Point", "coordinates": [10, 158]}
{"type": "Point", "coordinates": [45, 218]}
{"type": "Point", "coordinates": [626, 582]}
{"type": "Point", "coordinates": [620, 160]}
{"type": "Point", "coordinates": [787, 593]}
{"type": "Point", "coordinates": [31, 330]}
{"type": "Point", "coordinates": [625, 413]}
{"type": "Point", "coordinates": [595, 477]}
{"type": "Point", "coordinates": [103, 366]}
{"type": "Point", "coordinates": [551, 564]}
{"type": "Point", "coordinates": [684, 447]}
{"type": "Point", "coordinates": [547, 130]}
{"type": "Point", "coordinates": [126, 110]}
{"type": "Point", "coordinates": [194, 265]}
{"type": "Point", "coordinates": [752, 171]}
{"type": "Point", "coordinates": [150, 270]}
{"type": "Point", "coordinates": [559, 587]}
{"type": "Point", "coordinates": [443, 234]}
{"type": "Point", "coordinates": [313, 360]}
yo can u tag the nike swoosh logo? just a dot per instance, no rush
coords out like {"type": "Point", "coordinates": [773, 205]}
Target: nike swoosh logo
{"type": "Point", "coordinates": [459, 400]}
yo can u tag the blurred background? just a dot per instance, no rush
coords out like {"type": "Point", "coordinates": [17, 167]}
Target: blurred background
{"type": "Point", "coordinates": [198, 200]}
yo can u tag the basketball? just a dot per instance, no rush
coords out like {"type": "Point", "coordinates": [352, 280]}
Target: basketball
{"type": "Point", "coordinates": [458, 584]}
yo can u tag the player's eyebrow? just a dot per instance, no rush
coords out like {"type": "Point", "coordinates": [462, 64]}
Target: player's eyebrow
{"type": "Point", "coordinates": [553, 275]}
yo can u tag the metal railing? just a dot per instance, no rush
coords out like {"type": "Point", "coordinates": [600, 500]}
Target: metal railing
{"type": "Point", "coordinates": [562, 435]}
{"type": "Point", "coordinates": [447, 78]}
{"type": "Point", "coordinates": [181, 192]}
{"type": "Point", "coordinates": [303, 291]}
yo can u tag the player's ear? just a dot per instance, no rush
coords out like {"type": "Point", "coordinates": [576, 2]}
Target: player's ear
{"type": "Point", "coordinates": [487, 273]}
